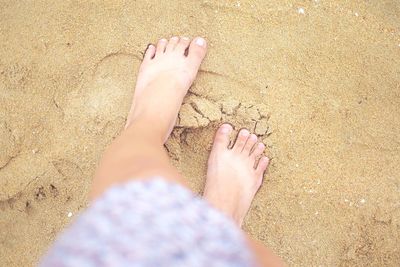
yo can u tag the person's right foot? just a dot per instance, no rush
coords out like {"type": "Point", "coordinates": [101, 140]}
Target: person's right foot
{"type": "Point", "coordinates": [234, 175]}
{"type": "Point", "coordinates": [165, 75]}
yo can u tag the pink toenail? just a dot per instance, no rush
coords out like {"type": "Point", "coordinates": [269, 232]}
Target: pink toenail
{"type": "Point", "coordinates": [244, 133]}
{"type": "Point", "coordinates": [185, 38]}
{"type": "Point", "coordinates": [225, 129]}
{"type": "Point", "coordinates": [200, 41]}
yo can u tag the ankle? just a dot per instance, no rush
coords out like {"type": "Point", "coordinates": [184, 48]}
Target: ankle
{"type": "Point", "coordinates": [146, 128]}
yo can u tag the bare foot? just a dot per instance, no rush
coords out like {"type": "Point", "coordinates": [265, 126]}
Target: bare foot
{"type": "Point", "coordinates": [234, 175]}
{"type": "Point", "coordinates": [164, 78]}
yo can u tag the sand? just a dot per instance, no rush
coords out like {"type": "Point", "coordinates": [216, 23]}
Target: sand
{"type": "Point", "coordinates": [318, 81]}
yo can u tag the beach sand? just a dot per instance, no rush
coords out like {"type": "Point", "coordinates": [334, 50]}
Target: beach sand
{"type": "Point", "coordinates": [318, 81]}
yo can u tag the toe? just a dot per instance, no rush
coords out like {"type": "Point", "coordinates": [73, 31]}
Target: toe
{"type": "Point", "coordinates": [222, 137]}
{"type": "Point", "coordinates": [149, 53]}
{"type": "Point", "coordinates": [258, 150]}
{"type": "Point", "coordinates": [241, 140]}
{"type": "Point", "coordinates": [172, 44]}
{"type": "Point", "coordinates": [182, 45]}
{"type": "Point", "coordinates": [162, 43]}
{"type": "Point", "coordinates": [250, 144]}
{"type": "Point", "coordinates": [262, 165]}
{"type": "Point", "coordinates": [197, 51]}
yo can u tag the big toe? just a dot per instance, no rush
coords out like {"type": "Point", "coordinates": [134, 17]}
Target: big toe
{"type": "Point", "coordinates": [197, 51]}
{"type": "Point", "coordinates": [222, 137]}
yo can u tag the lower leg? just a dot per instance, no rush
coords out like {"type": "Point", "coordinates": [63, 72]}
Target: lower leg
{"type": "Point", "coordinates": [164, 78]}
{"type": "Point", "coordinates": [137, 153]}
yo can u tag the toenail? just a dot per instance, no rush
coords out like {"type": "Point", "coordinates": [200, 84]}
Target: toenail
{"type": "Point", "coordinates": [186, 38]}
{"type": "Point", "coordinates": [163, 40]}
{"type": "Point", "coordinates": [200, 41]}
{"type": "Point", "coordinates": [244, 132]}
{"type": "Point", "coordinates": [174, 38]}
{"type": "Point", "coordinates": [253, 137]}
{"type": "Point", "coordinates": [225, 128]}
{"type": "Point", "coordinates": [261, 145]}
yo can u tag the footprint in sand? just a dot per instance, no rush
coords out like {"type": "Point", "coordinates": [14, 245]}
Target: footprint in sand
{"type": "Point", "coordinates": [7, 145]}
{"type": "Point", "coordinates": [108, 94]}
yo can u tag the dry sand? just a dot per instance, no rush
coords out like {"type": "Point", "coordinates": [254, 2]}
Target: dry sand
{"type": "Point", "coordinates": [319, 81]}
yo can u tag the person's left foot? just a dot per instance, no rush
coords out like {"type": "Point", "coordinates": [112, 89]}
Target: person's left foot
{"type": "Point", "coordinates": [234, 174]}
{"type": "Point", "coordinates": [164, 78]}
